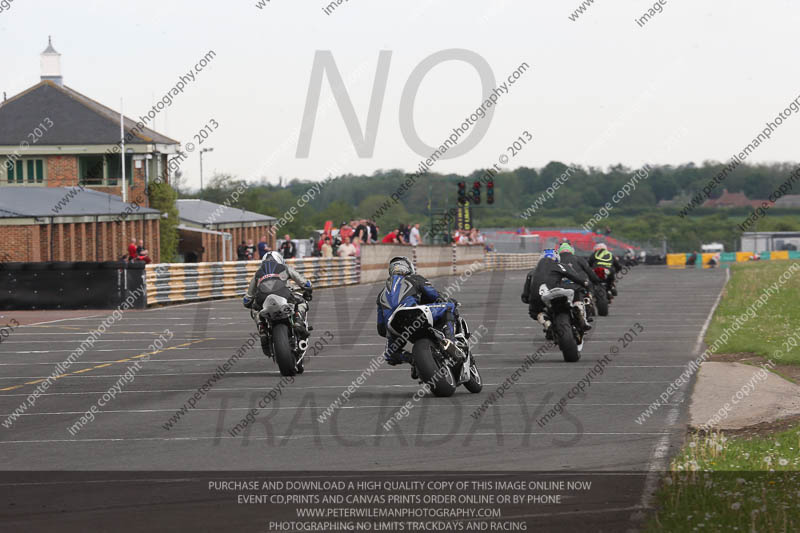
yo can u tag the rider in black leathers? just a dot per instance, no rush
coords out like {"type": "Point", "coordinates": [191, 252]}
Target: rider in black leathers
{"type": "Point", "coordinates": [273, 265]}
{"type": "Point", "coordinates": [551, 273]}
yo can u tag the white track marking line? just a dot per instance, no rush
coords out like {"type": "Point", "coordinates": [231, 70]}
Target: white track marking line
{"type": "Point", "coordinates": [333, 436]}
{"type": "Point", "coordinates": [322, 408]}
{"type": "Point", "coordinates": [658, 459]}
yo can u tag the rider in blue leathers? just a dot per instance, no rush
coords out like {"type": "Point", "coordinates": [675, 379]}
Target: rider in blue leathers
{"type": "Point", "coordinates": [405, 287]}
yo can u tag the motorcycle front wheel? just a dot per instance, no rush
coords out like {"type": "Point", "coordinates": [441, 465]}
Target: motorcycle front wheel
{"type": "Point", "coordinates": [474, 385]}
{"type": "Point", "coordinates": [566, 339]}
{"type": "Point", "coordinates": [439, 379]}
{"type": "Point", "coordinates": [283, 350]}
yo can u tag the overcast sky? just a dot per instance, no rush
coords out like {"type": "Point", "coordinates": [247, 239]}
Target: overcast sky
{"type": "Point", "coordinates": [697, 82]}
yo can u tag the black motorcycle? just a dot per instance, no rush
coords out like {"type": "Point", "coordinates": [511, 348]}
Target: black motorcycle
{"type": "Point", "coordinates": [283, 333]}
{"type": "Point", "coordinates": [607, 289]}
{"type": "Point", "coordinates": [437, 363]}
{"type": "Point", "coordinates": [566, 322]}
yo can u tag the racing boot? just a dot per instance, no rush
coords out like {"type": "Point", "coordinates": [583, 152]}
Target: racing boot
{"type": "Point", "coordinates": [449, 345]}
{"type": "Point", "coordinates": [584, 319]}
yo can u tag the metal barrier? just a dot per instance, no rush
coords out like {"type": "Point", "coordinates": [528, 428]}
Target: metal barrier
{"type": "Point", "coordinates": [499, 261]}
{"type": "Point", "coordinates": [184, 282]}
{"type": "Point", "coordinates": [703, 259]}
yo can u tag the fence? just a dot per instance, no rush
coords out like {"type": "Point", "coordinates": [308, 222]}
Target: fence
{"type": "Point", "coordinates": [184, 282]}
{"type": "Point", "coordinates": [495, 261]}
{"type": "Point", "coordinates": [702, 261]}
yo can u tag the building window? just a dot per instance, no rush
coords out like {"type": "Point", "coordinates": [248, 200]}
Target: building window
{"type": "Point", "coordinates": [104, 170]}
{"type": "Point", "coordinates": [22, 172]}
{"type": "Point", "coordinates": [115, 169]}
{"type": "Point", "coordinates": [91, 169]}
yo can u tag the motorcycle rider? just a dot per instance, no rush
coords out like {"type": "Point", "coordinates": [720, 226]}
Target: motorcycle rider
{"type": "Point", "coordinates": [405, 287]}
{"type": "Point", "coordinates": [602, 257]}
{"type": "Point", "coordinates": [579, 266]}
{"type": "Point", "coordinates": [551, 273]}
{"type": "Point", "coordinates": [272, 266]}
{"type": "Point", "coordinates": [577, 263]}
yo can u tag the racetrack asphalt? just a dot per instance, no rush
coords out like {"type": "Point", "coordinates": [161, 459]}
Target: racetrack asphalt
{"type": "Point", "coordinates": [596, 432]}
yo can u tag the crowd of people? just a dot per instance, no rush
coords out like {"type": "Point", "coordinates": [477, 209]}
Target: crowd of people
{"type": "Point", "coordinates": [138, 252]}
{"type": "Point", "coordinates": [351, 236]}
{"type": "Point", "coordinates": [471, 236]}
{"type": "Point", "coordinates": [347, 240]}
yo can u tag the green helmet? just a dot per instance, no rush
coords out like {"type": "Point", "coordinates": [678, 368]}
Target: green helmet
{"type": "Point", "coordinates": [566, 247]}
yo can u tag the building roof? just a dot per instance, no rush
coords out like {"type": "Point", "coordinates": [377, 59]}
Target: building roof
{"type": "Point", "coordinates": [50, 49]}
{"type": "Point", "coordinates": [76, 119]}
{"type": "Point", "coordinates": [789, 200]}
{"type": "Point", "coordinates": [205, 213]}
{"type": "Point", "coordinates": [731, 199]}
{"type": "Point", "coordinates": [28, 202]}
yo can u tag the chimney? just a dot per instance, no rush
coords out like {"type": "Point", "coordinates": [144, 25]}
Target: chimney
{"type": "Point", "coordinates": [51, 64]}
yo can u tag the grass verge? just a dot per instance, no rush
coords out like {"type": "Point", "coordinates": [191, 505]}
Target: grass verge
{"type": "Point", "coordinates": [772, 329]}
{"type": "Point", "coordinates": [721, 483]}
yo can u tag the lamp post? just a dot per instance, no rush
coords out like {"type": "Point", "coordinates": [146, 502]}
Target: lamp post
{"type": "Point", "coordinates": [204, 150]}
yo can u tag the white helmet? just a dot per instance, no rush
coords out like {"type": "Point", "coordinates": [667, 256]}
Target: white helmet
{"type": "Point", "coordinates": [401, 266]}
{"type": "Point", "coordinates": [600, 246]}
{"type": "Point", "coordinates": [273, 256]}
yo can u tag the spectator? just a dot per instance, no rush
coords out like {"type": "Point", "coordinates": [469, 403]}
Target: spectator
{"type": "Point", "coordinates": [263, 247]}
{"type": "Point", "coordinates": [345, 231]}
{"type": "Point", "coordinates": [144, 256]}
{"type": "Point", "coordinates": [241, 252]}
{"type": "Point", "coordinates": [288, 249]}
{"type": "Point", "coordinates": [403, 232]}
{"type": "Point", "coordinates": [373, 231]}
{"type": "Point", "coordinates": [356, 242]}
{"type": "Point", "coordinates": [140, 247]}
{"type": "Point", "coordinates": [326, 248]}
{"type": "Point", "coordinates": [133, 253]}
{"type": "Point", "coordinates": [413, 236]}
{"type": "Point", "coordinates": [346, 249]}
{"type": "Point", "coordinates": [607, 231]}
{"type": "Point", "coordinates": [362, 231]}
{"type": "Point", "coordinates": [391, 238]}
{"type": "Point", "coordinates": [250, 250]}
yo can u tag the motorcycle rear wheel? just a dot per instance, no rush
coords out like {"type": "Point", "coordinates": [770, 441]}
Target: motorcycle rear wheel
{"type": "Point", "coordinates": [441, 382]}
{"type": "Point", "coordinates": [283, 350]}
{"type": "Point", "coordinates": [602, 302]}
{"type": "Point", "coordinates": [566, 339]}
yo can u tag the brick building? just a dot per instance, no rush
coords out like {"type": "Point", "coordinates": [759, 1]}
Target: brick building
{"type": "Point", "coordinates": [90, 226]}
{"type": "Point", "coordinates": [61, 153]}
{"type": "Point", "coordinates": [207, 227]}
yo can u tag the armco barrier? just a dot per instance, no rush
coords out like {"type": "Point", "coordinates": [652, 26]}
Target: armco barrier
{"type": "Point", "coordinates": [496, 261]}
{"type": "Point", "coordinates": [183, 282]}
{"type": "Point", "coordinates": [680, 260]}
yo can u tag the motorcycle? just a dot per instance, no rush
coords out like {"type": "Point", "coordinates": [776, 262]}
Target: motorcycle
{"type": "Point", "coordinates": [566, 322]}
{"type": "Point", "coordinates": [437, 365]}
{"type": "Point", "coordinates": [279, 325]}
{"type": "Point", "coordinates": [606, 290]}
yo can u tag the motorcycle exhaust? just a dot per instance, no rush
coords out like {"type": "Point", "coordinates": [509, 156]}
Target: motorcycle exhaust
{"type": "Point", "coordinates": [303, 345]}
